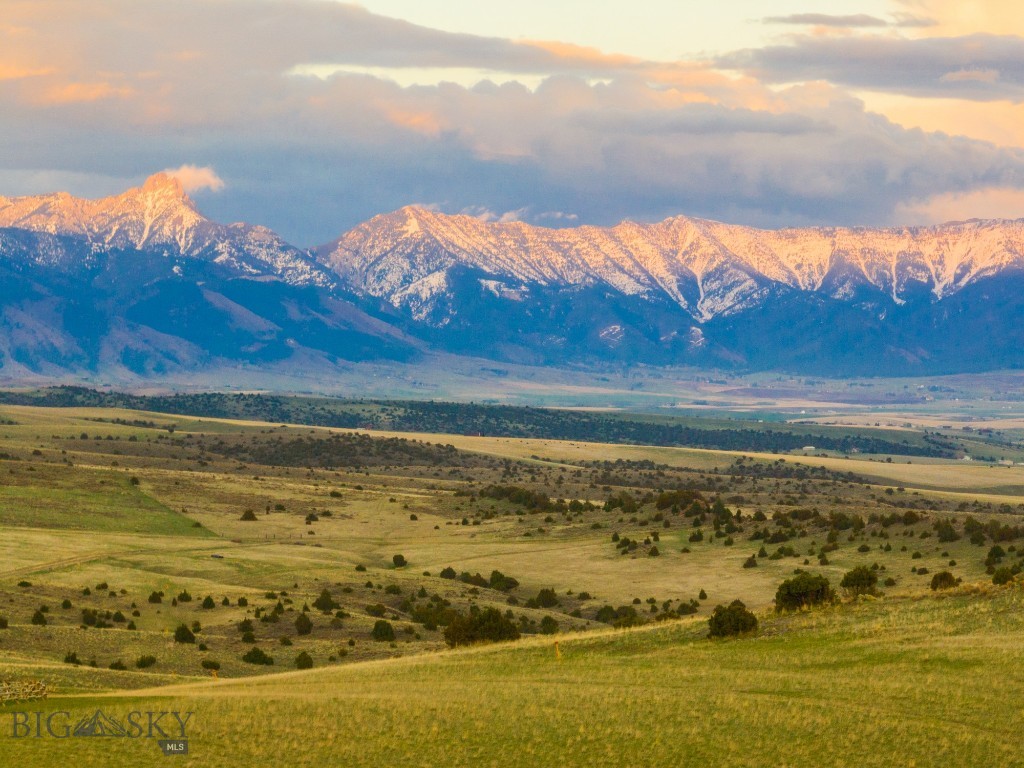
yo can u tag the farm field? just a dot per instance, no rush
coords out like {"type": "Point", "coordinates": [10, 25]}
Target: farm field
{"type": "Point", "coordinates": [146, 557]}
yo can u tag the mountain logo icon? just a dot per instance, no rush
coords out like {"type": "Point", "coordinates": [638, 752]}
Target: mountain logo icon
{"type": "Point", "coordinates": [99, 724]}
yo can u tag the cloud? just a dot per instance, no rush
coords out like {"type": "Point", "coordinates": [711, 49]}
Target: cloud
{"type": "Point", "coordinates": [526, 214]}
{"type": "Point", "coordinates": [571, 218]}
{"type": "Point", "coordinates": [966, 17]}
{"type": "Point", "coordinates": [913, 21]}
{"type": "Point", "coordinates": [988, 203]}
{"type": "Point", "coordinates": [852, 21]}
{"type": "Point", "coordinates": [971, 76]}
{"type": "Point", "coordinates": [599, 136]}
{"type": "Point", "coordinates": [860, 20]}
{"type": "Point", "coordinates": [998, 122]}
{"type": "Point", "coordinates": [703, 119]}
{"type": "Point", "coordinates": [958, 67]}
{"type": "Point", "coordinates": [486, 214]}
{"type": "Point", "coordinates": [17, 72]}
{"type": "Point", "coordinates": [67, 93]}
{"type": "Point", "coordinates": [194, 178]}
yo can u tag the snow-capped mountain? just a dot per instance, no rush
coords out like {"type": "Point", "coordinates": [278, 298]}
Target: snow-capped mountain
{"type": "Point", "coordinates": [707, 268]}
{"type": "Point", "coordinates": [159, 217]}
{"type": "Point", "coordinates": [143, 282]}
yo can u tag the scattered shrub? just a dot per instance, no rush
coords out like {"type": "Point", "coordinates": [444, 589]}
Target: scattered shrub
{"type": "Point", "coordinates": [325, 602]}
{"type": "Point", "coordinates": [731, 621]}
{"type": "Point", "coordinates": [257, 656]}
{"type": "Point", "coordinates": [501, 582]}
{"type": "Point", "coordinates": [184, 635]}
{"type": "Point", "coordinates": [303, 661]}
{"type": "Point", "coordinates": [1002, 575]}
{"type": "Point", "coordinates": [803, 591]}
{"type": "Point", "coordinates": [487, 626]}
{"type": "Point", "coordinates": [860, 581]}
{"type": "Point", "coordinates": [303, 624]}
{"type": "Point", "coordinates": [944, 580]}
{"type": "Point", "coordinates": [546, 598]}
{"type": "Point", "coordinates": [383, 631]}
{"type": "Point", "coordinates": [946, 531]}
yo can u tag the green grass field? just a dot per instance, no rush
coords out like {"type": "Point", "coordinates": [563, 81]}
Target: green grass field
{"type": "Point", "coordinates": [909, 682]}
{"type": "Point", "coordinates": [97, 516]}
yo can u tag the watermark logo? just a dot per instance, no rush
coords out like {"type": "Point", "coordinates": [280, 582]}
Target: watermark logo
{"type": "Point", "coordinates": [99, 724]}
{"type": "Point", "coordinates": [168, 728]}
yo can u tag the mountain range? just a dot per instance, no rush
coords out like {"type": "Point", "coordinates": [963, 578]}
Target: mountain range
{"type": "Point", "coordinates": [142, 282]}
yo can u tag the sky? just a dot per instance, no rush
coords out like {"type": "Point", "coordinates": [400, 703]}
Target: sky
{"type": "Point", "coordinates": [310, 116]}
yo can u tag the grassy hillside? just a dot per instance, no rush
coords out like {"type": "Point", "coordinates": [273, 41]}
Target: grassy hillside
{"type": "Point", "coordinates": [119, 528]}
{"type": "Point", "coordinates": [909, 682]}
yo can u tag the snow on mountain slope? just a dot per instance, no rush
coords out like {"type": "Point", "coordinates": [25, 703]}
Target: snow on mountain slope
{"type": "Point", "coordinates": [409, 257]}
{"type": "Point", "coordinates": [706, 267]}
{"type": "Point", "coordinates": [159, 216]}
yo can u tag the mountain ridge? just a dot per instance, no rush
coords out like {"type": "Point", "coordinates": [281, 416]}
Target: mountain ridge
{"type": "Point", "coordinates": [143, 281]}
{"type": "Point", "coordinates": [707, 267]}
{"type": "Point", "coordinates": [160, 216]}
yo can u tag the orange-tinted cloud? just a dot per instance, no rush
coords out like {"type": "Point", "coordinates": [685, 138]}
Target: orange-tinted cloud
{"type": "Point", "coordinates": [9, 71]}
{"type": "Point", "coordinates": [69, 93]}
{"type": "Point", "coordinates": [421, 121]}
{"type": "Point", "coordinates": [967, 17]}
{"type": "Point", "coordinates": [583, 56]}
{"type": "Point", "coordinates": [988, 203]}
{"type": "Point", "coordinates": [999, 122]}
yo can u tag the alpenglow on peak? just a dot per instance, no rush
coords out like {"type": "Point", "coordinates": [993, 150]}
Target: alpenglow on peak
{"type": "Point", "coordinates": [706, 267]}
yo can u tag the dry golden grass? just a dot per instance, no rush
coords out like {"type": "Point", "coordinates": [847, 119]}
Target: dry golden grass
{"type": "Point", "coordinates": [910, 678]}
{"type": "Point", "coordinates": [912, 682]}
